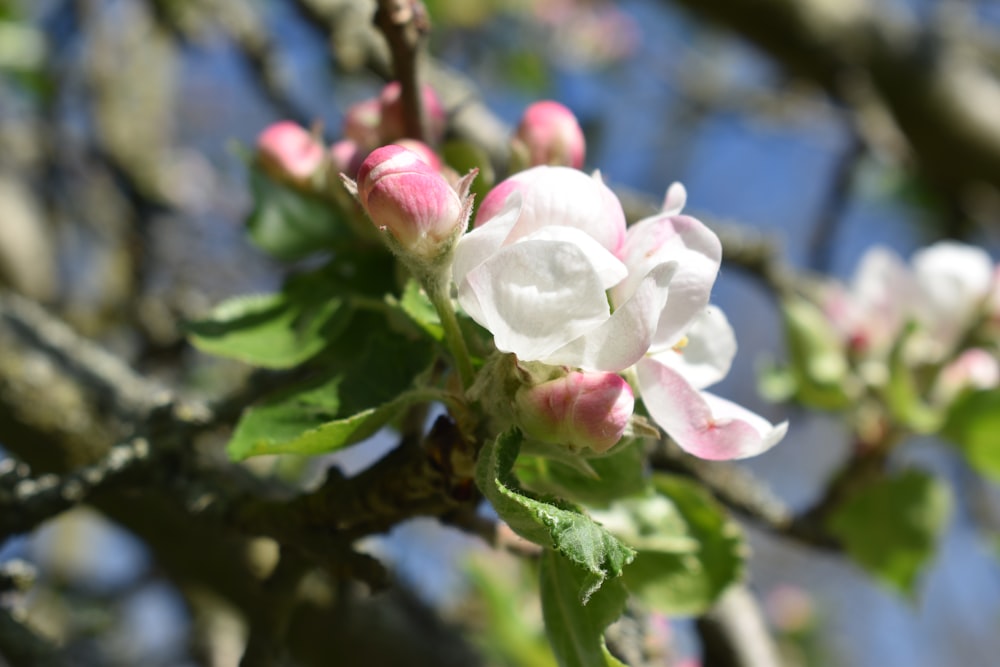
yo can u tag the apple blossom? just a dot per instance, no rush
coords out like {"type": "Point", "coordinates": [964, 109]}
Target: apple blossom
{"type": "Point", "coordinates": [405, 196]}
{"type": "Point", "coordinates": [289, 152]}
{"type": "Point", "coordinates": [953, 281]}
{"type": "Point", "coordinates": [552, 273]}
{"type": "Point", "coordinates": [578, 409]}
{"type": "Point", "coordinates": [550, 134]}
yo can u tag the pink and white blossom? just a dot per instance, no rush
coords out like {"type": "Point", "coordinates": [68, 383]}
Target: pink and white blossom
{"type": "Point", "coordinates": [552, 272]}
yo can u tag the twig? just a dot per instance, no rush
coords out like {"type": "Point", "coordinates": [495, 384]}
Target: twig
{"type": "Point", "coordinates": [405, 25]}
{"type": "Point", "coordinates": [733, 633]}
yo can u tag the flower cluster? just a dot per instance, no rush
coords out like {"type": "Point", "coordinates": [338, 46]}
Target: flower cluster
{"type": "Point", "coordinates": [931, 324]}
{"type": "Point", "coordinates": [583, 304]}
{"type": "Point", "coordinates": [293, 155]}
{"type": "Point", "coordinates": [552, 271]}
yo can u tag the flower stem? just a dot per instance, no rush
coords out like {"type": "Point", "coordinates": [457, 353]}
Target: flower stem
{"type": "Point", "coordinates": [437, 292]}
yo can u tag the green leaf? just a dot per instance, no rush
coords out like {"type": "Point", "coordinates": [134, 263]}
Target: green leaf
{"type": "Point", "coordinates": [891, 526]}
{"type": "Point", "coordinates": [902, 393]}
{"type": "Point", "coordinates": [974, 425]}
{"type": "Point", "coordinates": [274, 330]}
{"type": "Point", "coordinates": [361, 390]}
{"type": "Point", "coordinates": [603, 480]}
{"type": "Point", "coordinates": [576, 629]}
{"type": "Point", "coordinates": [689, 551]}
{"type": "Point", "coordinates": [328, 437]}
{"type": "Point", "coordinates": [816, 355]}
{"type": "Point", "coordinates": [548, 521]}
{"type": "Point", "coordinates": [289, 224]}
{"type": "Point", "coordinates": [419, 308]}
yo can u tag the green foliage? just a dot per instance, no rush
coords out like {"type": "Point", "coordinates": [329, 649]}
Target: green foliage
{"type": "Point", "coordinates": [576, 627]}
{"type": "Point", "coordinates": [597, 482]}
{"type": "Point", "coordinates": [279, 330]}
{"type": "Point", "coordinates": [509, 634]}
{"type": "Point", "coordinates": [818, 368]}
{"type": "Point", "coordinates": [360, 389]}
{"type": "Point", "coordinates": [289, 224]}
{"type": "Point", "coordinates": [891, 526]}
{"type": "Point", "coordinates": [902, 394]}
{"type": "Point", "coordinates": [419, 308]}
{"type": "Point", "coordinates": [973, 424]}
{"type": "Point", "coordinates": [689, 551]}
{"type": "Point", "coordinates": [547, 521]}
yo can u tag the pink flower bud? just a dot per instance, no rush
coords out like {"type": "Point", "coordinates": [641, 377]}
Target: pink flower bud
{"type": "Point", "coordinates": [362, 123]}
{"type": "Point", "coordinates": [552, 135]}
{"type": "Point", "coordinates": [289, 152]}
{"type": "Point", "coordinates": [975, 368]}
{"type": "Point", "coordinates": [393, 125]}
{"type": "Point", "coordinates": [423, 151]}
{"type": "Point", "coordinates": [403, 194]}
{"type": "Point", "coordinates": [580, 409]}
{"type": "Point", "coordinates": [346, 157]}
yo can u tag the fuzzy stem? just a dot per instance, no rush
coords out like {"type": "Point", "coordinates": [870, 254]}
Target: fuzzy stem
{"type": "Point", "coordinates": [437, 292]}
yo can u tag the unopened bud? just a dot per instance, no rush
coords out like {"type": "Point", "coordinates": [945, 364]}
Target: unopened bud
{"type": "Point", "coordinates": [974, 369]}
{"type": "Point", "coordinates": [362, 123]}
{"type": "Point", "coordinates": [404, 195]}
{"type": "Point", "coordinates": [393, 125]}
{"type": "Point", "coordinates": [423, 151]}
{"type": "Point", "coordinates": [346, 157]}
{"type": "Point", "coordinates": [288, 152]}
{"type": "Point", "coordinates": [579, 409]}
{"type": "Point", "coordinates": [551, 135]}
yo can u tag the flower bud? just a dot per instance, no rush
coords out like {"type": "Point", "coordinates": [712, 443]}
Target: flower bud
{"type": "Point", "coordinates": [423, 151]}
{"type": "Point", "coordinates": [362, 123]}
{"type": "Point", "coordinates": [394, 126]}
{"type": "Point", "coordinates": [288, 152]}
{"type": "Point", "coordinates": [579, 409]}
{"type": "Point", "coordinates": [404, 195]}
{"type": "Point", "coordinates": [974, 369]}
{"type": "Point", "coordinates": [346, 157]}
{"type": "Point", "coordinates": [551, 135]}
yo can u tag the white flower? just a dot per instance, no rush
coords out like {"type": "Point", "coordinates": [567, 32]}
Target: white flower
{"type": "Point", "coordinates": [552, 272]}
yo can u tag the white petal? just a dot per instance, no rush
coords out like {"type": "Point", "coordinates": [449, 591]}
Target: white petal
{"type": "Point", "coordinates": [560, 196]}
{"type": "Point", "coordinates": [708, 353]}
{"type": "Point", "coordinates": [954, 280]}
{"type": "Point", "coordinates": [702, 424]}
{"type": "Point", "coordinates": [625, 337]}
{"type": "Point", "coordinates": [478, 244]}
{"type": "Point", "coordinates": [535, 296]}
{"type": "Point", "coordinates": [675, 199]}
{"type": "Point", "coordinates": [605, 264]}
{"type": "Point", "coordinates": [698, 254]}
